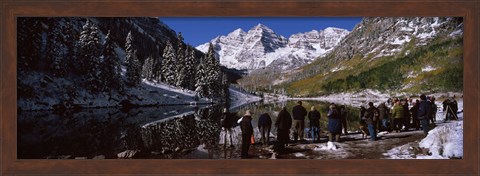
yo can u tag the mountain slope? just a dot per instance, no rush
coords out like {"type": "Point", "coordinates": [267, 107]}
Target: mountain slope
{"type": "Point", "coordinates": [261, 47]}
{"type": "Point", "coordinates": [39, 87]}
{"type": "Point", "coordinates": [388, 54]}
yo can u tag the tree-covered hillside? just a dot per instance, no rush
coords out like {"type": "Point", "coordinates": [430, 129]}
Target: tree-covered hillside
{"type": "Point", "coordinates": [412, 62]}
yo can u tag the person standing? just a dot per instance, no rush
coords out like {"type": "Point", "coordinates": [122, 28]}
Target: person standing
{"type": "Point", "coordinates": [343, 118]}
{"type": "Point", "coordinates": [247, 132]}
{"type": "Point", "coordinates": [283, 124]}
{"type": "Point", "coordinates": [383, 116]}
{"type": "Point", "coordinates": [362, 113]}
{"type": "Point", "coordinates": [227, 125]}
{"type": "Point", "coordinates": [424, 113]}
{"type": "Point", "coordinates": [264, 126]}
{"type": "Point", "coordinates": [447, 109]}
{"type": "Point", "coordinates": [299, 113]}
{"type": "Point", "coordinates": [406, 115]}
{"type": "Point", "coordinates": [397, 115]}
{"type": "Point", "coordinates": [334, 123]}
{"type": "Point", "coordinates": [454, 106]}
{"type": "Point", "coordinates": [370, 118]}
{"type": "Point", "coordinates": [433, 114]}
{"type": "Point", "coordinates": [414, 112]}
{"type": "Point", "coordinates": [314, 118]}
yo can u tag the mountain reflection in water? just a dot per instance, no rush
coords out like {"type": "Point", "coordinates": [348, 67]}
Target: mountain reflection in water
{"type": "Point", "coordinates": [174, 132]}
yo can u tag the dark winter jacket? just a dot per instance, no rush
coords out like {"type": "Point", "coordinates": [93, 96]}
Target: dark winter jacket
{"type": "Point", "coordinates": [454, 106]}
{"type": "Point", "coordinates": [397, 112]}
{"type": "Point", "coordinates": [246, 126]}
{"type": "Point", "coordinates": [369, 116]}
{"type": "Point", "coordinates": [424, 110]}
{"type": "Point", "coordinates": [284, 120]}
{"type": "Point", "coordinates": [299, 112]}
{"type": "Point", "coordinates": [314, 117]}
{"type": "Point", "coordinates": [334, 121]}
{"type": "Point", "coordinates": [264, 120]}
{"type": "Point", "coordinates": [228, 120]}
{"type": "Point", "coordinates": [406, 112]}
{"type": "Point", "coordinates": [414, 111]}
{"type": "Point", "coordinates": [433, 109]}
{"type": "Point", "coordinates": [446, 103]}
{"type": "Point", "coordinates": [362, 112]}
{"type": "Point", "coordinates": [333, 114]}
{"type": "Point", "coordinates": [383, 111]}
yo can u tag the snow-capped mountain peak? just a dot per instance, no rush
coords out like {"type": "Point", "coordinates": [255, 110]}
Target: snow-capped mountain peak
{"type": "Point", "coordinates": [260, 46]}
{"type": "Point", "coordinates": [237, 32]}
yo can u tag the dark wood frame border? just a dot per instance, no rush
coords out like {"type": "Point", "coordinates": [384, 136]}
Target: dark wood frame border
{"type": "Point", "coordinates": [11, 9]}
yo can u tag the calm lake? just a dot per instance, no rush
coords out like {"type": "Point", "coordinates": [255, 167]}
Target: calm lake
{"type": "Point", "coordinates": [176, 132]}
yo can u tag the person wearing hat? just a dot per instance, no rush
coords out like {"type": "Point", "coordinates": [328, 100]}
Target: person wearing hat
{"type": "Point", "coordinates": [247, 132]}
{"type": "Point", "coordinates": [299, 113]}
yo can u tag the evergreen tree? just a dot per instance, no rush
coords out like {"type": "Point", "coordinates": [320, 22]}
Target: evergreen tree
{"type": "Point", "coordinates": [129, 48]}
{"type": "Point", "coordinates": [148, 68]}
{"type": "Point", "coordinates": [190, 68]}
{"type": "Point", "coordinates": [29, 36]}
{"type": "Point", "coordinates": [212, 72]}
{"type": "Point", "coordinates": [157, 70]}
{"type": "Point", "coordinates": [180, 80]}
{"type": "Point", "coordinates": [84, 47]}
{"type": "Point", "coordinates": [133, 73]}
{"type": "Point", "coordinates": [111, 68]}
{"type": "Point", "coordinates": [90, 54]}
{"type": "Point", "coordinates": [225, 85]}
{"type": "Point", "coordinates": [55, 50]}
{"type": "Point", "coordinates": [69, 38]}
{"type": "Point", "coordinates": [200, 85]}
{"type": "Point", "coordinates": [169, 65]}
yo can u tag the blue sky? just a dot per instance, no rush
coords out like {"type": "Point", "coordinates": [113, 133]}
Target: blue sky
{"type": "Point", "coordinates": [199, 30]}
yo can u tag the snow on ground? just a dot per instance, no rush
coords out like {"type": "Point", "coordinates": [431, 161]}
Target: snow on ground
{"type": "Point", "coordinates": [428, 68]}
{"type": "Point", "coordinates": [443, 142]}
{"type": "Point", "coordinates": [354, 99]}
{"type": "Point", "coordinates": [49, 91]}
{"type": "Point", "coordinates": [238, 98]}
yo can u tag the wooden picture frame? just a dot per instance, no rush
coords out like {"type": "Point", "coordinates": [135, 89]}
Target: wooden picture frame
{"type": "Point", "coordinates": [10, 165]}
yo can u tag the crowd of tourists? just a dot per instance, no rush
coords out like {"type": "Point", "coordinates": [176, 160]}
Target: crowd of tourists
{"type": "Point", "coordinates": [394, 115]}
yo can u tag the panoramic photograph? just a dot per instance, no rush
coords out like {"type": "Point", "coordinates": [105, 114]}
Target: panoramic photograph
{"type": "Point", "coordinates": [239, 88]}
